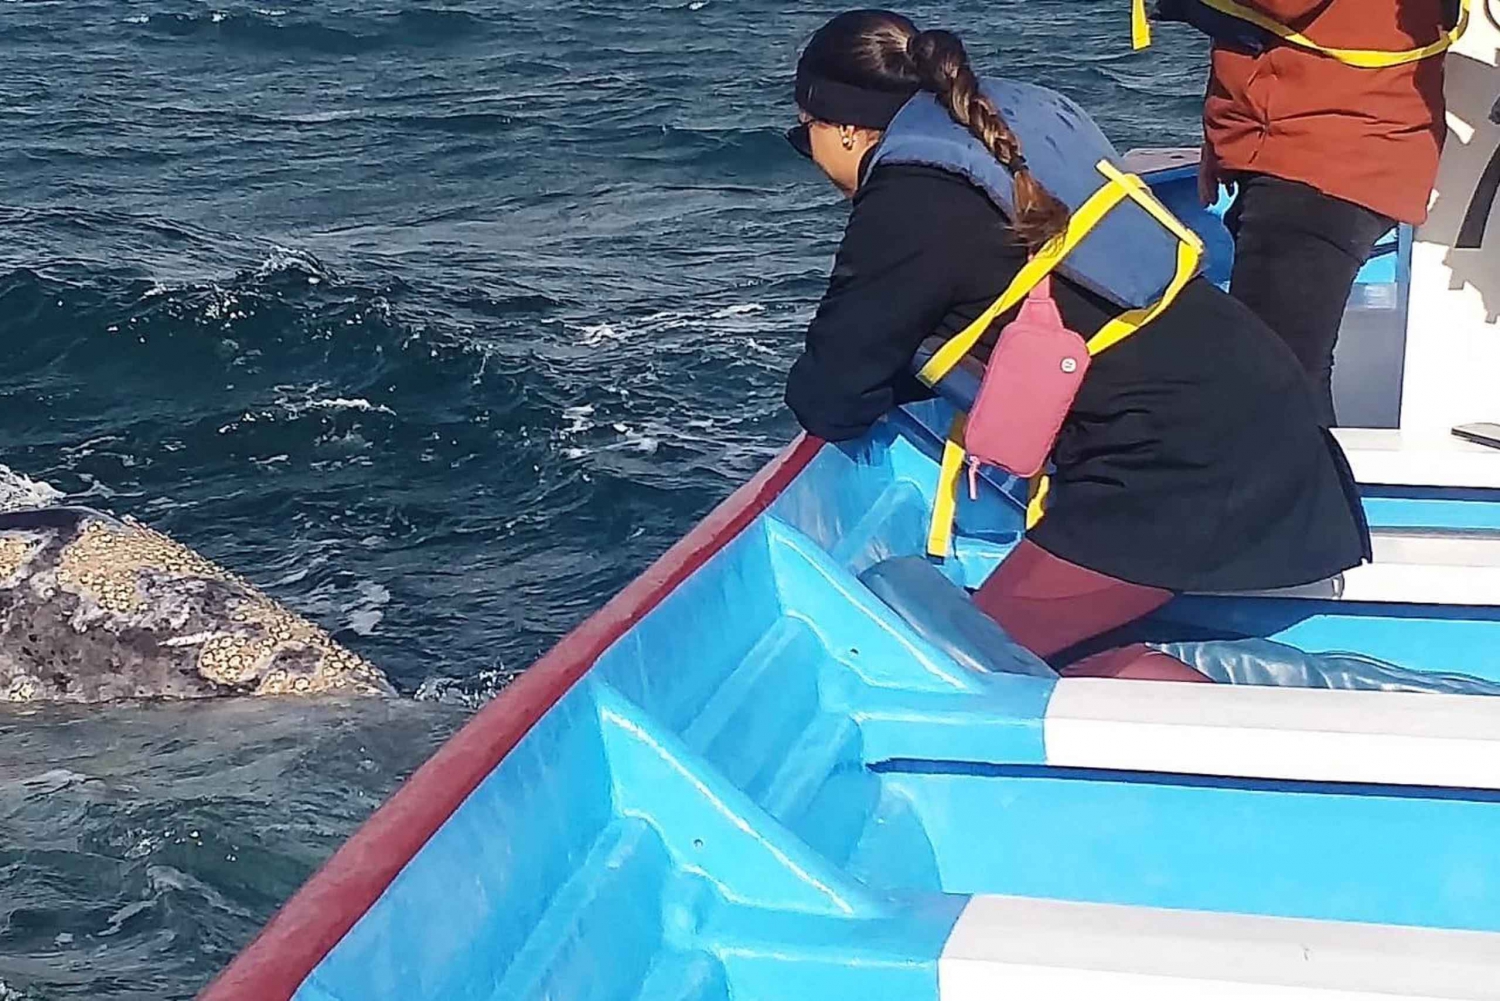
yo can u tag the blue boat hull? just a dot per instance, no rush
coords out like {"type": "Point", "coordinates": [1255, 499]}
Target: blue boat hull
{"type": "Point", "coordinates": [748, 777]}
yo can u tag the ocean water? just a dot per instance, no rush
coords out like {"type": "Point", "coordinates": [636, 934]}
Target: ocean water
{"type": "Point", "coordinates": [438, 321]}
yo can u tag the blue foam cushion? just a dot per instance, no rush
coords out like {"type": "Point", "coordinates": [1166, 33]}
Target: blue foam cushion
{"type": "Point", "coordinates": [941, 613]}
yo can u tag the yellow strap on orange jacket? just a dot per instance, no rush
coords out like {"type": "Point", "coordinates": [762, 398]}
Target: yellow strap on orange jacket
{"type": "Point", "coordinates": [1140, 36]}
{"type": "Point", "coordinates": [1140, 26]}
{"type": "Point", "coordinates": [1117, 188]}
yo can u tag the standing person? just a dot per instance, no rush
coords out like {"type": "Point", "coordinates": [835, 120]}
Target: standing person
{"type": "Point", "coordinates": [1191, 458]}
{"type": "Point", "coordinates": [1328, 150]}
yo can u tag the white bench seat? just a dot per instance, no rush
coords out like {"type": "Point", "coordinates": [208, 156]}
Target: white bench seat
{"type": "Point", "coordinates": [1015, 947]}
{"type": "Point", "coordinates": [1419, 459]}
{"type": "Point", "coordinates": [1298, 734]}
{"type": "Point", "coordinates": [1414, 567]}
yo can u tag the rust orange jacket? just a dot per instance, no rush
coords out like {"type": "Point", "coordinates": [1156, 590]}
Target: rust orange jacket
{"type": "Point", "coordinates": [1369, 136]}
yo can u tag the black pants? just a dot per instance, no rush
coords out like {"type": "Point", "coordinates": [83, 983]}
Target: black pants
{"type": "Point", "coordinates": [1296, 254]}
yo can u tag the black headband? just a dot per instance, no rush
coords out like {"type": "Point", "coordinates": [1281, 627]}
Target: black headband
{"type": "Point", "coordinates": [845, 104]}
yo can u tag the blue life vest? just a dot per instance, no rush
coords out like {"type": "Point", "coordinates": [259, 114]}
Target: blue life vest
{"type": "Point", "coordinates": [1129, 257]}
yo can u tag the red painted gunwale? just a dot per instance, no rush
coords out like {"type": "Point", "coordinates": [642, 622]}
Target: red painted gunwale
{"type": "Point", "coordinates": [308, 926]}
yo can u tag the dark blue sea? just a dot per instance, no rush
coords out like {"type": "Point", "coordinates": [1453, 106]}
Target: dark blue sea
{"type": "Point", "coordinates": [437, 321]}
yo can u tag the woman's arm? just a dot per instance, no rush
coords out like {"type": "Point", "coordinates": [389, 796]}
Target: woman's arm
{"type": "Point", "coordinates": [904, 255]}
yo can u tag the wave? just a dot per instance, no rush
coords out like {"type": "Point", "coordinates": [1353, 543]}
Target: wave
{"type": "Point", "coordinates": [286, 354]}
{"type": "Point", "coordinates": [282, 30]}
{"type": "Point", "coordinates": [289, 318]}
{"type": "Point", "coordinates": [304, 377]}
{"type": "Point", "coordinates": [456, 122]}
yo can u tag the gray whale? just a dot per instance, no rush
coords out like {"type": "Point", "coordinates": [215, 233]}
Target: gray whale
{"type": "Point", "coordinates": [95, 608]}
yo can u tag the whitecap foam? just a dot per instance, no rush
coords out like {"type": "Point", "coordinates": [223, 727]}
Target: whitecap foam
{"type": "Point", "coordinates": [357, 403]}
{"type": "Point", "coordinates": [295, 401]}
{"type": "Point", "coordinates": [366, 614]}
{"type": "Point", "coordinates": [666, 321]}
{"type": "Point", "coordinates": [633, 440]}
{"type": "Point", "coordinates": [578, 418]}
{"type": "Point", "coordinates": [471, 693]}
{"type": "Point", "coordinates": [224, 305]}
{"type": "Point", "coordinates": [739, 309]}
{"type": "Point", "coordinates": [52, 780]}
{"type": "Point", "coordinates": [282, 259]}
{"type": "Point", "coordinates": [599, 333]}
{"type": "Point", "coordinates": [19, 492]}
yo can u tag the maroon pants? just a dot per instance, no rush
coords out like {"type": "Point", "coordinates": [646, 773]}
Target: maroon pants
{"type": "Point", "coordinates": [1047, 605]}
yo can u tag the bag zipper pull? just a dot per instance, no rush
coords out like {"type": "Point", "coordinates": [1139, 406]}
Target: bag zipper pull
{"type": "Point", "coordinates": [973, 479]}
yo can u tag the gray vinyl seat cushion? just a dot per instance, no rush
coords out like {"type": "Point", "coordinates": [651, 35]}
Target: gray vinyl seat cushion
{"type": "Point", "coordinates": [940, 612]}
{"type": "Point", "coordinates": [1265, 662]}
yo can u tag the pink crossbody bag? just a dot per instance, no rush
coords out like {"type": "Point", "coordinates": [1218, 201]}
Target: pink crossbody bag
{"type": "Point", "coordinates": [1038, 365]}
{"type": "Point", "coordinates": [1033, 376]}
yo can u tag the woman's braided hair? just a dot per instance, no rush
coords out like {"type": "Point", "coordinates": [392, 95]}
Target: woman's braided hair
{"type": "Point", "coordinates": [943, 66]}
{"type": "Point", "coordinates": [882, 50]}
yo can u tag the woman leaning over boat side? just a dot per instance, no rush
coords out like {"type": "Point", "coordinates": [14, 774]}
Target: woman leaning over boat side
{"type": "Point", "coordinates": [1192, 458]}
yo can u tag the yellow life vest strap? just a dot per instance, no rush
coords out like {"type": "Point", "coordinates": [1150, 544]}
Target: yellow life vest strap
{"type": "Point", "coordinates": [1118, 186]}
{"type": "Point", "coordinates": [945, 505]}
{"type": "Point", "coordinates": [1189, 254]}
{"type": "Point", "coordinates": [1140, 36]}
{"type": "Point", "coordinates": [1036, 503]}
{"type": "Point", "coordinates": [1042, 264]}
{"type": "Point", "coordinates": [950, 480]}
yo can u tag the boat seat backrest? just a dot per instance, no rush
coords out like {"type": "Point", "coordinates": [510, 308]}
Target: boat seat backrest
{"type": "Point", "coordinates": [941, 613]}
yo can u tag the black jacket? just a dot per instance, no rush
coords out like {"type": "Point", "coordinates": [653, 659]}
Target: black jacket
{"type": "Point", "coordinates": [1192, 458]}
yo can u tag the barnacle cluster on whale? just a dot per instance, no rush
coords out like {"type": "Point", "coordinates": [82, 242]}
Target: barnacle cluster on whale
{"type": "Point", "coordinates": [94, 607]}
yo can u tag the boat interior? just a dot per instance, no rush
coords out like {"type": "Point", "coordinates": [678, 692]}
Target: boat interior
{"type": "Point", "coordinates": [815, 770]}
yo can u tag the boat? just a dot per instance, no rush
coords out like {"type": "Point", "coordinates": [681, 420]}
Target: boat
{"type": "Point", "coordinates": [791, 760]}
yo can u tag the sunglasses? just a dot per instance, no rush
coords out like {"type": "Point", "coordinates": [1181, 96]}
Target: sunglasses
{"type": "Point", "coordinates": [800, 138]}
